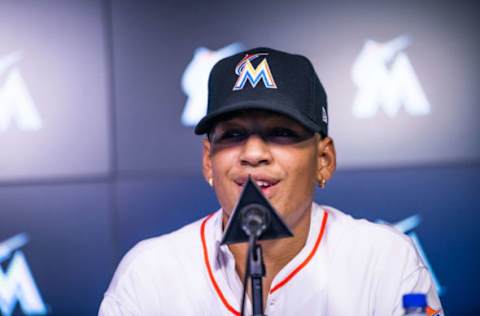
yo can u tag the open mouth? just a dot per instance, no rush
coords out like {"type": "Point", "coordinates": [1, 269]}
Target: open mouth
{"type": "Point", "coordinates": [265, 184]}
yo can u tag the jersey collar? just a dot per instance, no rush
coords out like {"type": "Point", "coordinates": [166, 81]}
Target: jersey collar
{"type": "Point", "coordinates": [220, 262]}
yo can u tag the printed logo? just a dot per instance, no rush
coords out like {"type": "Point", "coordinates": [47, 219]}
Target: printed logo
{"type": "Point", "coordinates": [385, 79]}
{"type": "Point", "coordinates": [324, 115]}
{"type": "Point", "coordinates": [195, 80]}
{"type": "Point", "coordinates": [16, 282]}
{"type": "Point", "coordinates": [246, 72]}
{"type": "Point", "coordinates": [407, 226]}
{"type": "Point", "coordinates": [16, 104]}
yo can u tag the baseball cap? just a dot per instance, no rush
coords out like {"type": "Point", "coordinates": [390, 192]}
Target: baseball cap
{"type": "Point", "coordinates": [266, 79]}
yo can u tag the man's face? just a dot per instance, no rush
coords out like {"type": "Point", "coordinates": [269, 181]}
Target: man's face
{"type": "Point", "coordinates": [280, 155]}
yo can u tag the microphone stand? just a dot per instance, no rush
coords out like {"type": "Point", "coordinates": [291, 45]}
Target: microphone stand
{"type": "Point", "coordinates": [253, 219]}
{"type": "Point", "coordinates": [257, 272]}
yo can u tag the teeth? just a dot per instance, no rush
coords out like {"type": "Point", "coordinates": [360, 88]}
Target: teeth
{"type": "Point", "coordinates": [262, 184]}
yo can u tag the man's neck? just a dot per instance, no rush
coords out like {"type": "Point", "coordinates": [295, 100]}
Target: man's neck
{"type": "Point", "coordinates": [276, 253]}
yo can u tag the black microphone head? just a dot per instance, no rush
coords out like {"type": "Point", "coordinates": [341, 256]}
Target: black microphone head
{"type": "Point", "coordinates": [255, 219]}
{"type": "Point", "coordinates": [254, 212]}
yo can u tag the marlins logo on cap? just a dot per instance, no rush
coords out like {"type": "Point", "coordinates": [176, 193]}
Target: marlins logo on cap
{"type": "Point", "coordinates": [247, 72]}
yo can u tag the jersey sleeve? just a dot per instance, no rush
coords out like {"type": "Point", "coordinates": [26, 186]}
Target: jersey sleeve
{"type": "Point", "coordinates": [120, 298]}
{"type": "Point", "coordinates": [113, 307]}
{"type": "Point", "coordinates": [420, 281]}
{"type": "Point", "coordinates": [129, 288]}
{"type": "Point", "coordinates": [404, 272]}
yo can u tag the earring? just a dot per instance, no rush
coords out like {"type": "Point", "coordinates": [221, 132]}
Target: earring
{"type": "Point", "coordinates": [322, 183]}
{"type": "Point", "coordinates": [210, 182]}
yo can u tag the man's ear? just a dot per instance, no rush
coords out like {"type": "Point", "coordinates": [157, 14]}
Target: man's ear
{"type": "Point", "coordinates": [327, 159]}
{"type": "Point", "coordinates": [207, 161]}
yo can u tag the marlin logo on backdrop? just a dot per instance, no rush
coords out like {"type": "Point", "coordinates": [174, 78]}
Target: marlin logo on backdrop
{"type": "Point", "coordinates": [386, 80]}
{"type": "Point", "coordinates": [16, 282]}
{"type": "Point", "coordinates": [16, 104]}
{"type": "Point", "coordinates": [246, 72]}
{"type": "Point", "coordinates": [407, 226]}
{"type": "Point", "coordinates": [195, 80]}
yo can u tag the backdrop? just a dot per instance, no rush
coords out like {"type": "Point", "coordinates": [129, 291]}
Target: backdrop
{"type": "Point", "coordinates": [97, 151]}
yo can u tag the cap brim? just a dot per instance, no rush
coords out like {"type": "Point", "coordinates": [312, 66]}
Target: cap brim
{"type": "Point", "coordinates": [206, 123]}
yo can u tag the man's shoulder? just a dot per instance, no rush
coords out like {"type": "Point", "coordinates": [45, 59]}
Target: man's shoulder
{"type": "Point", "coordinates": [366, 248]}
{"type": "Point", "coordinates": [172, 261]}
{"type": "Point", "coordinates": [350, 232]}
{"type": "Point", "coordinates": [174, 249]}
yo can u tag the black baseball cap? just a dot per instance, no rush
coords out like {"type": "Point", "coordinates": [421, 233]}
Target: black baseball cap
{"type": "Point", "coordinates": [266, 79]}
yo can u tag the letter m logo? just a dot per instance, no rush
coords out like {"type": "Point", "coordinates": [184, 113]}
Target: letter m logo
{"type": "Point", "coordinates": [246, 72]}
{"type": "Point", "coordinates": [17, 284]}
{"type": "Point", "coordinates": [16, 104]}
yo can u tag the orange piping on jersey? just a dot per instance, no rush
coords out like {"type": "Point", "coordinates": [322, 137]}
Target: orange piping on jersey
{"type": "Point", "coordinates": [305, 262]}
{"type": "Point", "coordinates": [209, 269]}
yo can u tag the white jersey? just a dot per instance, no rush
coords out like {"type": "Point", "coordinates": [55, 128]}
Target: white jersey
{"type": "Point", "coordinates": [347, 267]}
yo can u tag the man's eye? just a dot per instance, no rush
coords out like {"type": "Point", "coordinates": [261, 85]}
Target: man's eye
{"type": "Point", "coordinates": [233, 134]}
{"type": "Point", "coordinates": [283, 132]}
{"type": "Point", "coordinates": [282, 135]}
{"type": "Point", "coordinates": [230, 136]}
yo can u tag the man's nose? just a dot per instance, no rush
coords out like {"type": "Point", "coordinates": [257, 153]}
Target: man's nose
{"type": "Point", "coordinates": [255, 151]}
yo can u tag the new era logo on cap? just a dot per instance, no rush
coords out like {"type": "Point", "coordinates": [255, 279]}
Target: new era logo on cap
{"type": "Point", "coordinates": [324, 115]}
{"type": "Point", "coordinates": [247, 72]}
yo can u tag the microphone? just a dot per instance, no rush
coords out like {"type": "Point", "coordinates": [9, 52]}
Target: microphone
{"type": "Point", "coordinates": [255, 219]}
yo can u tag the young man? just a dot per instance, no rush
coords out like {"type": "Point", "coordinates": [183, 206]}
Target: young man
{"type": "Point", "coordinates": [267, 119]}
